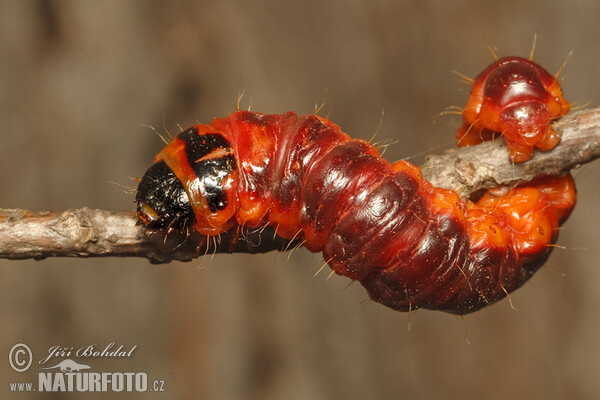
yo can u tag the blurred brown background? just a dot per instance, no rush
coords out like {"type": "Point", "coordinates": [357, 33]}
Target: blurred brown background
{"type": "Point", "coordinates": [78, 82]}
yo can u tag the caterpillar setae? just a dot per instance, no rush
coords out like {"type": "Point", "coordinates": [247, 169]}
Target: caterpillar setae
{"type": "Point", "coordinates": [411, 245]}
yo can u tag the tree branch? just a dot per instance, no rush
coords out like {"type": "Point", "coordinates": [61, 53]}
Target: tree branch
{"type": "Point", "coordinates": [470, 169]}
{"type": "Point", "coordinates": [85, 232]}
{"type": "Point", "coordinates": [97, 233]}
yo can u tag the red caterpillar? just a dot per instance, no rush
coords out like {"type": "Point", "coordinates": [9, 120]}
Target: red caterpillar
{"type": "Point", "coordinates": [410, 245]}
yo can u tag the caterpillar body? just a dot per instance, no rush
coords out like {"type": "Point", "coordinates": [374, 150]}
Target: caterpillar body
{"type": "Point", "coordinates": [411, 245]}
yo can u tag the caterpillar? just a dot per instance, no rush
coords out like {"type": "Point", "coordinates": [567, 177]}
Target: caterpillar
{"type": "Point", "coordinates": [411, 245]}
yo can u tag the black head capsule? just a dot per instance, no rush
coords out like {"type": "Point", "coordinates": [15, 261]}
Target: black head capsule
{"type": "Point", "coordinates": [162, 200]}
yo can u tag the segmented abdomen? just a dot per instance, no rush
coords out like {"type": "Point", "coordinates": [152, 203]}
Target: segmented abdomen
{"type": "Point", "coordinates": [410, 245]}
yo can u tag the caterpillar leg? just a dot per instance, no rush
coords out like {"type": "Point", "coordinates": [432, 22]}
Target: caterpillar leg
{"type": "Point", "coordinates": [519, 99]}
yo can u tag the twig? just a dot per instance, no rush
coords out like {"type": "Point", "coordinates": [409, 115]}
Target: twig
{"type": "Point", "coordinates": [97, 233]}
{"type": "Point", "coordinates": [469, 169]}
{"type": "Point", "coordinates": [85, 232]}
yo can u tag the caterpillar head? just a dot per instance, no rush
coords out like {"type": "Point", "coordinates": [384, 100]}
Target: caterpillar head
{"type": "Point", "coordinates": [162, 201]}
{"type": "Point", "coordinates": [191, 184]}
